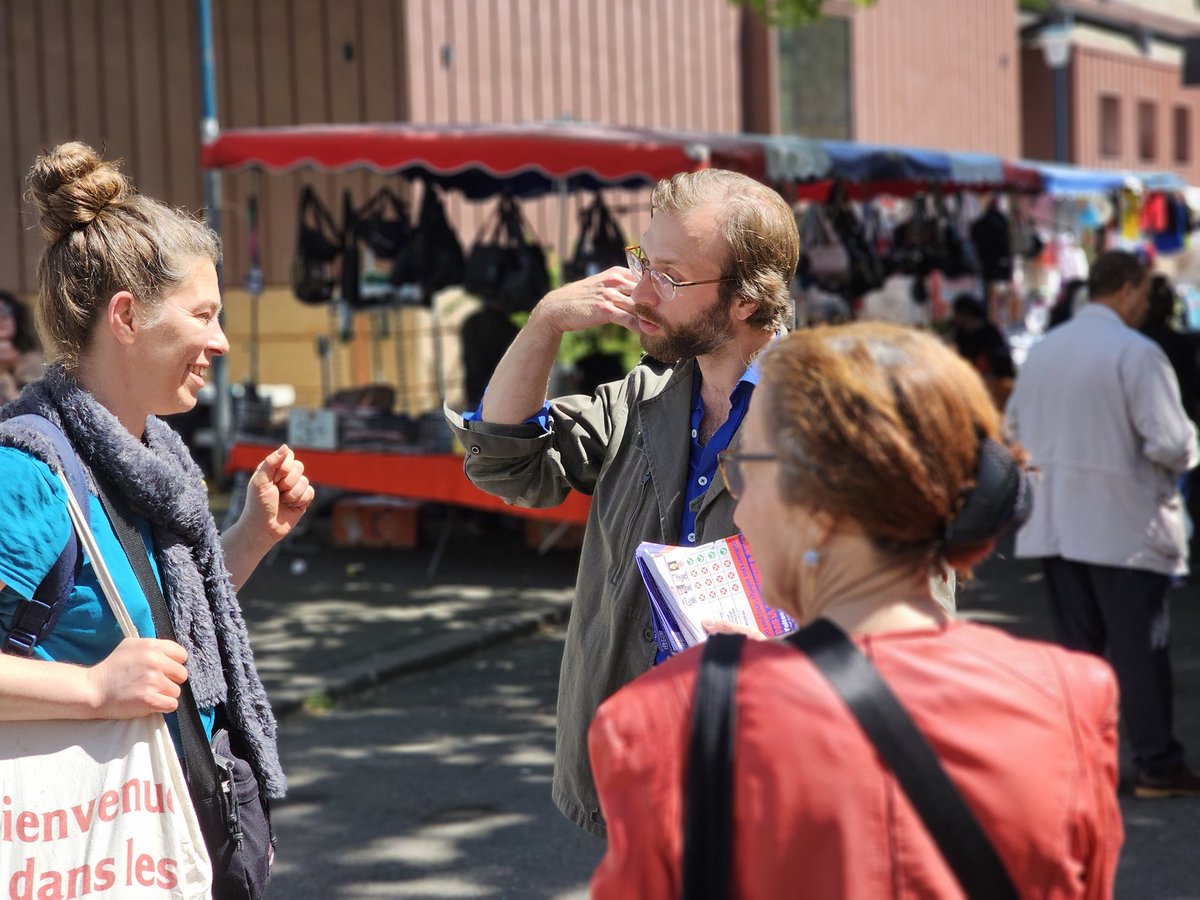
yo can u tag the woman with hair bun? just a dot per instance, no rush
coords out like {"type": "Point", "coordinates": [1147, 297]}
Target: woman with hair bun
{"type": "Point", "coordinates": [127, 307]}
{"type": "Point", "coordinates": [871, 455]}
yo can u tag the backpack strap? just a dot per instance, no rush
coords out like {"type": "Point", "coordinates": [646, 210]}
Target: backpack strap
{"type": "Point", "coordinates": [34, 619]}
{"type": "Point", "coordinates": [952, 824]}
{"type": "Point", "coordinates": [708, 788]}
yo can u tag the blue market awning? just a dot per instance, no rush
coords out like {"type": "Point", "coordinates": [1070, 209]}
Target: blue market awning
{"type": "Point", "coordinates": [877, 162]}
{"type": "Point", "coordinates": [1072, 181]}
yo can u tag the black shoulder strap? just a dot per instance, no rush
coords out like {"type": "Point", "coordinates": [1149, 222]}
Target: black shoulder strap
{"type": "Point", "coordinates": [198, 759]}
{"type": "Point", "coordinates": [708, 790]}
{"type": "Point", "coordinates": [34, 619]}
{"type": "Point", "coordinates": [949, 820]}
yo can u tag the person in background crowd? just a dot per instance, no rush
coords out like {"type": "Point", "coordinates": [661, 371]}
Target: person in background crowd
{"type": "Point", "coordinates": [128, 307]}
{"type": "Point", "coordinates": [984, 346]}
{"type": "Point", "coordinates": [20, 357]}
{"type": "Point", "coordinates": [1098, 408]}
{"type": "Point", "coordinates": [1181, 352]}
{"type": "Point", "coordinates": [856, 476]}
{"type": "Point", "coordinates": [1072, 296]}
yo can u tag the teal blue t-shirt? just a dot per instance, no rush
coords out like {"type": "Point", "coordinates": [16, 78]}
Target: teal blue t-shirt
{"type": "Point", "coordinates": [34, 526]}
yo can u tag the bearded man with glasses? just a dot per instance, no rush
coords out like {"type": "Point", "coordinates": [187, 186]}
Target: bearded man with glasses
{"type": "Point", "coordinates": [706, 290]}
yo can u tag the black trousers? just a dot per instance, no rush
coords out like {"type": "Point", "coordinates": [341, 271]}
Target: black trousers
{"type": "Point", "coordinates": [1124, 612]}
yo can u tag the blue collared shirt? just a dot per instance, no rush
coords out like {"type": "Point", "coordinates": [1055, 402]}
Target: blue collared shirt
{"type": "Point", "coordinates": [702, 463]}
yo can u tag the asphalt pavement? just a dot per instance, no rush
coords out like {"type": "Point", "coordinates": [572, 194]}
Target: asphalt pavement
{"type": "Point", "coordinates": [327, 623]}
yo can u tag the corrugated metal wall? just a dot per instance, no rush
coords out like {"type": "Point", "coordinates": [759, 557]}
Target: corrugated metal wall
{"type": "Point", "coordinates": [123, 76]}
{"type": "Point", "coordinates": [119, 75]}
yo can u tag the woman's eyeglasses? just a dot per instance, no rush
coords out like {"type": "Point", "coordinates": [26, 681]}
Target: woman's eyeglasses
{"type": "Point", "coordinates": [664, 285]}
{"type": "Point", "coordinates": [730, 463]}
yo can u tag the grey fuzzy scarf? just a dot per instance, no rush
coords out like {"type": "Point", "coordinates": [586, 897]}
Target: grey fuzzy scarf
{"type": "Point", "coordinates": [160, 481]}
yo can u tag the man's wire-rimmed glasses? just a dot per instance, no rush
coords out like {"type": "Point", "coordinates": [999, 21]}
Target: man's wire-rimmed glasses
{"type": "Point", "coordinates": [664, 285]}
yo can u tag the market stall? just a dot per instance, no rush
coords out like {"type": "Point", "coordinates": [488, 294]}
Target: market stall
{"type": "Point", "coordinates": [557, 158]}
{"type": "Point", "coordinates": [480, 162]}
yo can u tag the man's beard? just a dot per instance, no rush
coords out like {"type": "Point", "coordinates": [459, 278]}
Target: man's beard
{"type": "Point", "coordinates": [706, 333]}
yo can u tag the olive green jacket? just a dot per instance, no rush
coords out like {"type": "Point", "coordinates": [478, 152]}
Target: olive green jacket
{"type": "Point", "coordinates": [628, 447]}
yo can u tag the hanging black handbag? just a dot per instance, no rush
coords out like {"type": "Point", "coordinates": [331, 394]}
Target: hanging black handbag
{"type": "Point", "coordinates": [436, 260]}
{"type": "Point", "coordinates": [914, 249]}
{"type": "Point", "coordinates": [708, 797]}
{"type": "Point", "coordinates": [318, 245]}
{"type": "Point", "coordinates": [864, 271]}
{"type": "Point", "coordinates": [507, 268]}
{"type": "Point", "coordinates": [231, 807]}
{"type": "Point", "coordinates": [600, 244]}
{"type": "Point", "coordinates": [957, 256]}
{"type": "Point", "coordinates": [383, 225]}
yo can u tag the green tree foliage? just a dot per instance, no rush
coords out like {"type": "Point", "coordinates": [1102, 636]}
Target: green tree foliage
{"type": "Point", "coordinates": [789, 13]}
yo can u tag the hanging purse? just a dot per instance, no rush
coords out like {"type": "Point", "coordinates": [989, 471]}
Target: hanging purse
{"type": "Point", "coordinates": [436, 261]}
{"type": "Point", "coordinates": [318, 245]}
{"type": "Point", "coordinates": [864, 269]}
{"type": "Point", "coordinates": [708, 797]}
{"type": "Point", "coordinates": [233, 811]}
{"type": "Point", "coordinates": [103, 803]}
{"type": "Point", "coordinates": [507, 268]}
{"type": "Point", "coordinates": [600, 244]}
{"type": "Point", "coordinates": [383, 224]}
{"type": "Point", "coordinates": [826, 258]}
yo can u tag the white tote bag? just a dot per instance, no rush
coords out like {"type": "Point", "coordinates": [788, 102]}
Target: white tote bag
{"type": "Point", "coordinates": [97, 808]}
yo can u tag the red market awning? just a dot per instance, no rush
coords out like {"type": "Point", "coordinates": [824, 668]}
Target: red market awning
{"type": "Point", "coordinates": [481, 160]}
{"type": "Point", "coordinates": [528, 160]}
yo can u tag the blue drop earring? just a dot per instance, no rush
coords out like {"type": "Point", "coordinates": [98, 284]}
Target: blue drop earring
{"type": "Point", "coordinates": [811, 557]}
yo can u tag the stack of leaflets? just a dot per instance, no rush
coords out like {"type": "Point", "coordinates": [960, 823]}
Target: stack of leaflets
{"type": "Point", "coordinates": [713, 581]}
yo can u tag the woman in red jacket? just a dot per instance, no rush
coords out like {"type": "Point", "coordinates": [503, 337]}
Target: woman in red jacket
{"type": "Point", "coordinates": [855, 478]}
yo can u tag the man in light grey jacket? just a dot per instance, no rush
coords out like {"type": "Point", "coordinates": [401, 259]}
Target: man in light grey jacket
{"type": "Point", "coordinates": [1097, 406]}
{"type": "Point", "coordinates": [706, 289]}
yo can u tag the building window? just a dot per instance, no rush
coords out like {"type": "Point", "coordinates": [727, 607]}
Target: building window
{"type": "Point", "coordinates": [1110, 125]}
{"type": "Point", "coordinates": [814, 80]}
{"type": "Point", "coordinates": [1147, 131]}
{"type": "Point", "coordinates": [1183, 135]}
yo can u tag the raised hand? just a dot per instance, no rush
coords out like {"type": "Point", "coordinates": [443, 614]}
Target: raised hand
{"type": "Point", "coordinates": [277, 497]}
{"type": "Point", "coordinates": [595, 300]}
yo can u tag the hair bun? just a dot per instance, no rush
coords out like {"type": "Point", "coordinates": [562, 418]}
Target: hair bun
{"type": "Point", "coordinates": [72, 185]}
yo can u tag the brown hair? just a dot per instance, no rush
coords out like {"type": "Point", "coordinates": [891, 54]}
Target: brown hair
{"type": "Point", "coordinates": [102, 237]}
{"type": "Point", "coordinates": [760, 229]}
{"type": "Point", "coordinates": [1112, 270]}
{"type": "Point", "coordinates": [882, 425]}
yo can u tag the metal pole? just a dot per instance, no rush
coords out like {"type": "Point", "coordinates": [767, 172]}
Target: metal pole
{"type": "Point", "coordinates": [254, 283]}
{"type": "Point", "coordinates": [563, 208]}
{"type": "Point", "coordinates": [209, 129]}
